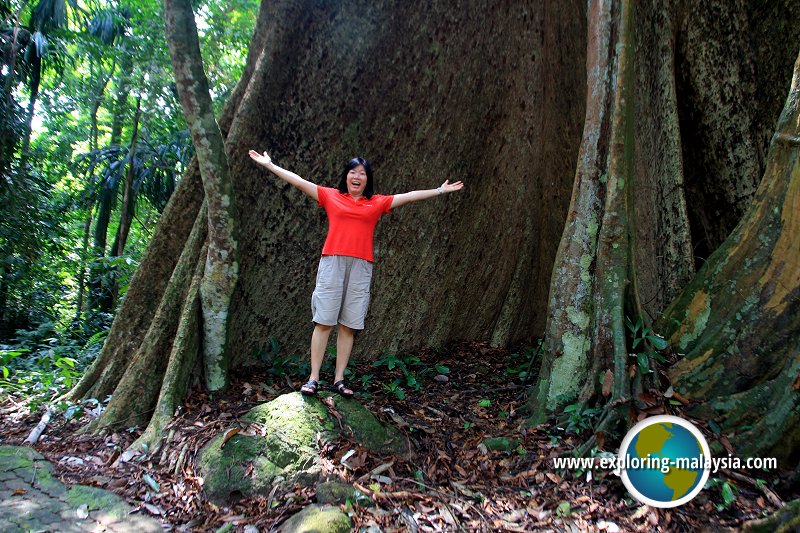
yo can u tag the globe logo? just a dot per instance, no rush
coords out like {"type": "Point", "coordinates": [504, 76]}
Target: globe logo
{"type": "Point", "coordinates": [664, 461]}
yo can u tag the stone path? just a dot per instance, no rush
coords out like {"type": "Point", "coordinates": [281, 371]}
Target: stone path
{"type": "Point", "coordinates": [32, 499]}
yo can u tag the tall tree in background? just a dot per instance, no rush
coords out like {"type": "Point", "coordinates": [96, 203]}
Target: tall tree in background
{"type": "Point", "coordinates": [435, 94]}
{"type": "Point", "coordinates": [194, 309]}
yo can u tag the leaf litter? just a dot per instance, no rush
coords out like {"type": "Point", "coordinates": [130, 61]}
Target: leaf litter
{"type": "Point", "coordinates": [452, 482]}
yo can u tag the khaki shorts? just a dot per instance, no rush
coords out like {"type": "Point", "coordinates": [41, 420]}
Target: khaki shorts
{"type": "Point", "coordinates": [342, 292]}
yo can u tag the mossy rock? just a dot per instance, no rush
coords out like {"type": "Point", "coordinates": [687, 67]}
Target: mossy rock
{"type": "Point", "coordinates": [295, 426]}
{"type": "Point", "coordinates": [317, 519]}
{"type": "Point", "coordinates": [336, 493]}
{"type": "Point", "coordinates": [365, 429]}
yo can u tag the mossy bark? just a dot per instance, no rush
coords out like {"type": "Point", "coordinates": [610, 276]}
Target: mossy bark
{"type": "Point", "coordinates": [738, 322]}
{"type": "Point", "coordinates": [222, 262]}
{"type": "Point", "coordinates": [593, 282]}
{"type": "Point", "coordinates": [138, 389]}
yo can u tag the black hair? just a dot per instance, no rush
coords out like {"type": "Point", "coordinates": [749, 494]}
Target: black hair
{"type": "Point", "coordinates": [353, 163]}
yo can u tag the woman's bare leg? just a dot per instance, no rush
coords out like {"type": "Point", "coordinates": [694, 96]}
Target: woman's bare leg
{"type": "Point", "coordinates": [319, 341]}
{"type": "Point", "coordinates": [344, 346]}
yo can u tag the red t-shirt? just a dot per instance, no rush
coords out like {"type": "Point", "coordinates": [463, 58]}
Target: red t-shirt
{"type": "Point", "coordinates": [351, 223]}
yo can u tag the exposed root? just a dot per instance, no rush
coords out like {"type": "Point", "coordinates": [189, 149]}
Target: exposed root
{"type": "Point", "coordinates": [182, 358]}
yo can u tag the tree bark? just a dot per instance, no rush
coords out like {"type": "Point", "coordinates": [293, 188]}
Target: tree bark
{"type": "Point", "coordinates": [738, 321]}
{"type": "Point", "coordinates": [222, 266]}
{"type": "Point", "coordinates": [593, 283]}
{"type": "Point", "coordinates": [129, 194]}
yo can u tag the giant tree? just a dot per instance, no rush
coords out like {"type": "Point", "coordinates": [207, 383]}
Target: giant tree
{"type": "Point", "coordinates": [495, 95]}
{"type": "Point", "coordinates": [595, 284]}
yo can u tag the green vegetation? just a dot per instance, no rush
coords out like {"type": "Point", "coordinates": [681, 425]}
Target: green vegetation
{"type": "Point", "coordinates": [645, 344]}
{"type": "Point", "coordinates": [413, 371]}
{"type": "Point", "coordinates": [92, 144]}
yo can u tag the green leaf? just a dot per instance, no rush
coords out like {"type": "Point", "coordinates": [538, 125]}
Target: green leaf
{"type": "Point", "coordinates": [484, 403]}
{"type": "Point", "coordinates": [659, 343]}
{"type": "Point", "coordinates": [563, 509]}
{"type": "Point", "coordinates": [644, 363]}
{"type": "Point", "coordinates": [442, 369]}
{"type": "Point", "coordinates": [727, 494]}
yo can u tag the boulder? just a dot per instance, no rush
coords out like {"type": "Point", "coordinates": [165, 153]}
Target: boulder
{"type": "Point", "coordinates": [317, 519]}
{"type": "Point", "coordinates": [290, 430]}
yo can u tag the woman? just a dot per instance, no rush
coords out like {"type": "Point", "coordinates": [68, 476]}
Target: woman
{"type": "Point", "coordinates": [341, 295]}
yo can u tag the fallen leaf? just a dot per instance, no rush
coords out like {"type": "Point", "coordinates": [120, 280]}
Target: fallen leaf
{"type": "Point", "coordinates": [82, 511]}
{"type": "Point", "coordinates": [228, 435]}
{"type": "Point", "coordinates": [154, 509]}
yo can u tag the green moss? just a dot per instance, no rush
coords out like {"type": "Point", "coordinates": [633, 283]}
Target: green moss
{"type": "Point", "coordinates": [586, 263]}
{"type": "Point", "coordinates": [367, 430]}
{"type": "Point", "coordinates": [97, 499]}
{"type": "Point", "coordinates": [699, 326]}
{"type": "Point", "coordinates": [568, 371]}
{"type": "Point", "coordinates": [318, 519]}
{"type": "Point", "coordinates": [13, 457]}
{"type": "Point", "coordinates": [578, 317]}
{"type": "Point", "coordinates": [336, 493]}
{"type": "Point", "coordinates": [500, 444]}
{"type": "Point", "coordinates": [293, 426]}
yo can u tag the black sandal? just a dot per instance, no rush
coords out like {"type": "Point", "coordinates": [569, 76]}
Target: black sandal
{"type": "Point", "coordinates": [342, 389]}
{"type": "Point", "coordinates": [310, 387]}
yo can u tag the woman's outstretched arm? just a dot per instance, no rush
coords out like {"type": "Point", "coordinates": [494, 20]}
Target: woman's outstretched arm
{"type": "Point", "coordinates": [415, 196]}
{"type": "Point", "coordinates": [289, 177]}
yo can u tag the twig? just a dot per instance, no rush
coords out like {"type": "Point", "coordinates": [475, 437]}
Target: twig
{"type": "Point", "coordinates": [771, 496]}
{"type": "Point", "coordinates": [389, 495]}
{"type": "Point", "coordinates": [39, 429]}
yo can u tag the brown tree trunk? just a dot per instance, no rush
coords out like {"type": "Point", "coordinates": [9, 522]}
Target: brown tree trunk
{"type": "Point", "coordinates": [593, 283]}
{"type": "Point", "coordinates": [222, 261]}
{"type": "Point", "coordinates": [425, 95]}
{"type": "Point", "coordinates": [587, 344]}
{"type": "Point", "coordinates": [128, 194]}
{"type": "Point", "coordinates": [738, 321]}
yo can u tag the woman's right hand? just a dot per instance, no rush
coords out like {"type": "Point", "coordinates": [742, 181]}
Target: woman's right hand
{"type": "Point", "coordinates": [261, 159]}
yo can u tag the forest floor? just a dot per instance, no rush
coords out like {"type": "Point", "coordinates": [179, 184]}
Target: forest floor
{"type": "Point", "coordinates": [450, 483]}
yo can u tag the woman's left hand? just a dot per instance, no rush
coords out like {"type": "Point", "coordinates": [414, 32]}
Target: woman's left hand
{"type": "Point", "coordinates": [451, 187]}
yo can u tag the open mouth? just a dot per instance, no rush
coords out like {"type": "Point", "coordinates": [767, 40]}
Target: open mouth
{"type": "Point", "coordinates": [356, 183]}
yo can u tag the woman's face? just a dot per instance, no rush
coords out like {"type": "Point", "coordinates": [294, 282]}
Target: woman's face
{"type": "Point", "coordinates": [356, 181]}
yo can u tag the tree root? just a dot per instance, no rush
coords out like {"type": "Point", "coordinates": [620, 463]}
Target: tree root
{"type": "Point", "coordinates": [137, 392]}
{"type": "Point", "coordinates": [783, 520]}
{"type": "Point", "coordinates": [34, 435]}
{"type": "Point", "coordinates": [182, 359]}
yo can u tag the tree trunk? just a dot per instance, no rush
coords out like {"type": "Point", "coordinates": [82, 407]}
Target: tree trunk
{"type": "Point", "coordinates": [100, 286]}
{"type": "Point", "coordinates": [121, 99]}
{"type": "Point", "coordinates": [600, 277]}
{"type": "Point", "coordinates": [593, 283]}
{"type": "Point", "coordinates": [222, 262]}
{"type": "Point", "coordinates": [128, 194]}
{"type": "Point", "coordinates": [447, 99]}
{"type": "Point", "coordinates": [128, 209]}
{"type": "Point", "coordinates": [33, 86]}
{"type": "Point", "coordinates": [87, 228]}
{"type": "Point", "coordinates": [738, 321]}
